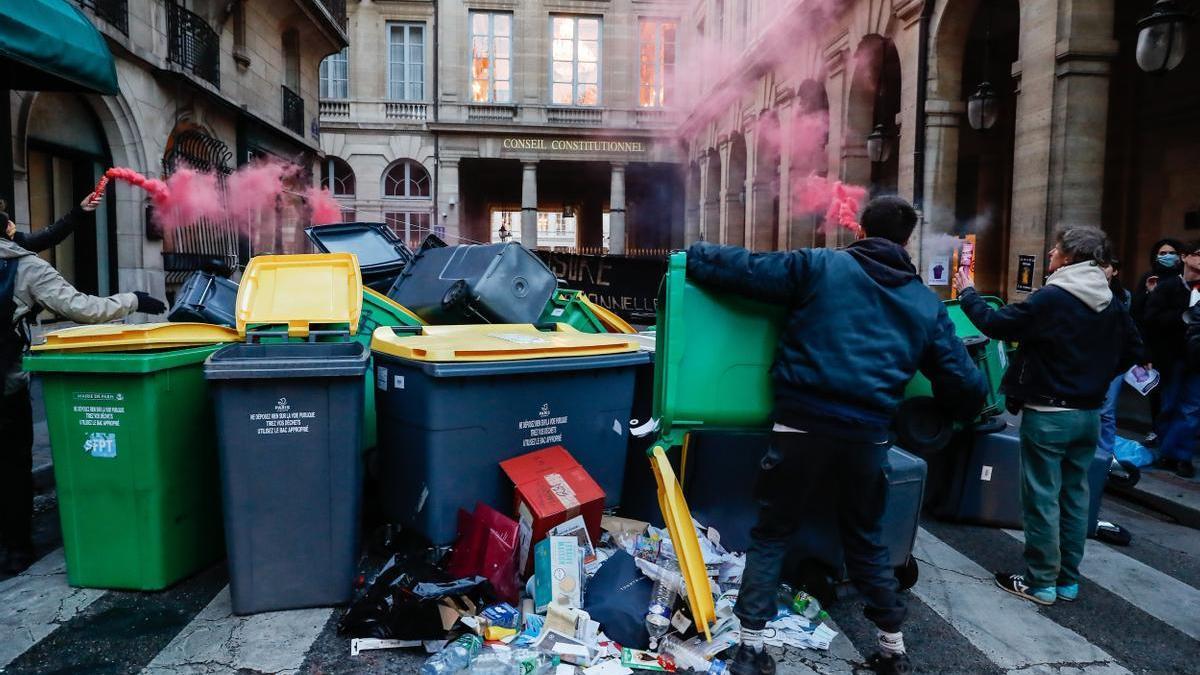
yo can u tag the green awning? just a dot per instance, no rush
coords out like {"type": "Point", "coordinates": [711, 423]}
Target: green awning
{"type": "Point", "coordinates": [50, 45]}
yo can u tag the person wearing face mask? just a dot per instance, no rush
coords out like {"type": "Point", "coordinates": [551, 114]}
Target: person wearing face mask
{"type": "Point", "coordinates": [1073, 338]}
{"type": "Point", "coordinates": [27, 284]}
{"type": "Point", "coordinates": [1165, 264]}
{"type": "Point", "coordinates": [1166, 307]}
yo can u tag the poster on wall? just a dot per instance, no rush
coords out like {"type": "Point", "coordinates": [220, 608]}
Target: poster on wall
{"type": "Point", "coordinates": [1025, 265]}
{"type": "Point", "coordinates": [939, 271]}
{"type": "Point", "coordinates": [964, 260]}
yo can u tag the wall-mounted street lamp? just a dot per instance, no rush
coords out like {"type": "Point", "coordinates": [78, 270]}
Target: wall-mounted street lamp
{"type": "Point", "coordinates": [879, 144]}
{"type": "Point", "coordinates": [983, 107]}
{"type": "Point", "coordinates": [1162, 37]}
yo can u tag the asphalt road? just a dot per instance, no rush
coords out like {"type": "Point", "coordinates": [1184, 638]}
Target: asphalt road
{"type": "Point", "coordinates": [1139, 611]}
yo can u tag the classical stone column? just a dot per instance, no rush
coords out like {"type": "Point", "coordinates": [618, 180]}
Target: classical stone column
{"type": "Point", "coordinates": [692, 205]}
{"type": "Point", "coordinates": [616, 211]}
{"type": "Point", "coordinates": [710, 199]}
{"type": "Point", "coordinates": [448, 198]}
{"type": "Point", "coordinates": [529, 204]}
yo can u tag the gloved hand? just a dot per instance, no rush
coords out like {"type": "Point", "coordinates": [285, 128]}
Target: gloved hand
{"type": "Point", "coordinates": [148, 304]}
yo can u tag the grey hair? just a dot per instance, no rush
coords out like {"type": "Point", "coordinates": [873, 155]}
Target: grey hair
{"type": "Point", "coordinates": [1084, 243]}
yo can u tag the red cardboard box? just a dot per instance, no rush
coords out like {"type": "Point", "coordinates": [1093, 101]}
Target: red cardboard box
{"type": "Point", "coordinates": [551, 488]}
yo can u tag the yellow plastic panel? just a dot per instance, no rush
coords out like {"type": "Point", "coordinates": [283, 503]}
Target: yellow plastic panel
{"type": "Point", "coordinates": [678, 519]}
{"type": "Point", "coordinates": [496, 342]}
{"type": "Point", "coordinates": [299, 291]}
{"type": "Point", "coordinates": [611, 321]}
{"type": "Point", "coordinates": [120, 337]}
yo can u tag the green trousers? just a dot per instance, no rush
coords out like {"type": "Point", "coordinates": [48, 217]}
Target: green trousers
{"type": "Point", "coordinates": [1057, 449]}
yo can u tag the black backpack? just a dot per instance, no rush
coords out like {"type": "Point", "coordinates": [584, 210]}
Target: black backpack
{"type": "Point", "coordinates": [13, 339]}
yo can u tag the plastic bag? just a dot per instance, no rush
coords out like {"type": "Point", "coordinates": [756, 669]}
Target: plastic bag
{"type": "Point", "coordinates": [1133, 452]}
{"type": "Point", "coordinates": [487, 546]}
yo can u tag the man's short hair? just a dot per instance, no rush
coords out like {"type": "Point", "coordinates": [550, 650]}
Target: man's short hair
{"type": "Point", "coordinates": [889, 217]}
{"type": "Point", "coordinates": [1084, 243]}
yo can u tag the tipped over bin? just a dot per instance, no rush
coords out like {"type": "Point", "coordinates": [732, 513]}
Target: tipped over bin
{"type": "Point", "coordinates": [289, 419]}
{"type": "Point", "coordinates": [135, 454]}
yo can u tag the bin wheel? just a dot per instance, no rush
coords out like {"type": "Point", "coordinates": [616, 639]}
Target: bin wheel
{"type": "Point", "coordinates": [456, 295]}
{"type": "Point", "coordinates": [908, 573]}
{"type": "Point", "coordinates": [1126, 476]}
{"type": "Point", "coordinates": [921, 426]}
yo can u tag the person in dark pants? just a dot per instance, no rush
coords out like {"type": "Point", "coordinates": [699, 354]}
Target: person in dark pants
{"type": "Point", "coordinates": [1166, 264]}
{"type": "Point", "coordinates": [1166, 311]}
{"type": "Point", "coordinates": [28, 283]}
{"type": "Point", "coordinates": [860, 326]}
{"type": "Point", "coordinates": [1073, 338]}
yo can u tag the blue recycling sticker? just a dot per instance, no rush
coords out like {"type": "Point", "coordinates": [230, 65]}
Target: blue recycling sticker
{"type": "Point", "coordinates": [100, 444]}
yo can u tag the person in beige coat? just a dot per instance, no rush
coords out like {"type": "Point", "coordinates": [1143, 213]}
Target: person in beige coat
{"type": "Point", "coordinates": [27, 284]}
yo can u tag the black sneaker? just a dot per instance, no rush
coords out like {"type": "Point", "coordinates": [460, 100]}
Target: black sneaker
{"type": "Point", "coordinates": [1185, 469]}
{"type": "Point", "coordinates": [1015, 584]}
{"type": "Point", "coordinates": [890, 663]}
{"type": "Point", "coordinates": [747, 661]}
{"type": "Point", "coordinates": [1167, 463]}
{"type": "Point", "coordinates": [19, 559]}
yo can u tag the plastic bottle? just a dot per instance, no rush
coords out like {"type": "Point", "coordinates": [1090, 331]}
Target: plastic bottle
{"type": "Point", "coordinates": [801, 603]}
{"type": "Point", "coordinates": [454, 657]}
{"type": "Point", "coordinates": [718, 667]}
{"type": "Point", "coordinates": [683, 655]}
{"type": "Point", "coordinates": [494, 663]}
{"type": "Point", "coordinates": [533, 662]}
{"type": "Point", "coordinates": [662, 601]}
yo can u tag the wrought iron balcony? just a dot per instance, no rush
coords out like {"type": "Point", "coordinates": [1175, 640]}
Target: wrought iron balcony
{"type": "Point", "coordinates": [115, 12]}
{"type": "Point", "coordinates": [575, 116]}
{"type": "Point", "coordinates": [293, 110]}
{"type": "Point", "coordinates": [193, 44]}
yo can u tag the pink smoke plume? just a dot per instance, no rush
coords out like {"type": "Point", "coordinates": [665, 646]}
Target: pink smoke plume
{"type": "Point", "coordinates": [189, 196]}
{"type": "Point", "coordinates": [839, 201]}
{"type": "Point", "coordinates": [324, 208]}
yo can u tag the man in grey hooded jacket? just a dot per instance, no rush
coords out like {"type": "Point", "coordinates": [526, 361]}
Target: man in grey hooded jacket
{"type": "Point", "coordinates": [1073, 339]}
{"type": "Point", "coordinates": [28, 283]}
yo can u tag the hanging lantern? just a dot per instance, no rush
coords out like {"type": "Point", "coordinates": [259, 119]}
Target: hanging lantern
{"type": "Point", "coordinates": [983, 107]}
{"type": "Point", "coordinates": [1162, 40]}
{"type": "Point", "coordinates": [879, 144]}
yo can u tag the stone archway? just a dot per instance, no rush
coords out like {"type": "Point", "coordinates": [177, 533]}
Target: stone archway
{"type": "Point", "coordinates": [763, 189]}
{"type": "Point", "coordinates": [874, 99]}
{"type": "Point", "coordinates": [808, 155]}
{"type": "Point", "coordinates": [710, 214]}
{"type": "Point", "coordinates": [694, 205]}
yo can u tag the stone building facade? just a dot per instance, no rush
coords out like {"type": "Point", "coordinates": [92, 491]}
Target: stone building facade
{"type": "Point", "coordinates": [1082, 136]}
{"type": "Point", "coordinates": [212, 83]}
{"type": "Point", "coordinates": [551, 121]}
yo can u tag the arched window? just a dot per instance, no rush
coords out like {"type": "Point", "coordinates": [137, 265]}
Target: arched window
{"type": "Point", "coordinates": [406, 178]}
{"type": "Point", "coordinates": [337, 176]}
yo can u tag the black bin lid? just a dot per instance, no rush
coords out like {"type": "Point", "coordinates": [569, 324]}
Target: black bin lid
{"type": "Point", "coordinates": [378, 249]}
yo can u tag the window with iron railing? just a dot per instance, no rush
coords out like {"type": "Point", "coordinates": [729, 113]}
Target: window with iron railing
{"type": "Point", "coordinates": [115, 12]}
{"type": "Point", "coordinates": [293, 110]}
{"type": "Point", "coordinates": [193, 44]}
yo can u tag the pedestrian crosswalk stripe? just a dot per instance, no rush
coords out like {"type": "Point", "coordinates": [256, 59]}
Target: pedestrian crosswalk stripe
{"type": "Point", "coordinates": [1160, 595]}
{"type": "Point", "coordinates": [36, 602]}
{"type": "Point", "coordinates": [217, 641]}
{"type": "Point", "coordinates": [1009, 631]}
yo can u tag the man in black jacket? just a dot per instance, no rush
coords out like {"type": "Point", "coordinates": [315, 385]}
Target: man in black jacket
{"type": "Point", "coordinates": [47, 237]}
{"type": "Point", "coordinates": [860, 325]}
{"type": "Point", "coordinates": [1180, 419]}
{"type": "Point", "coordinates": [1073, 339]}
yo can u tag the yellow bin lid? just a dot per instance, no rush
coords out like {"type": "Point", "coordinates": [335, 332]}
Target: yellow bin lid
{"type": "Point", "coordinates": [121, 337]}
{"type": "Point", "coordinates": [496, 342]}
{"type": "Point", "coordinates": [299, 291]}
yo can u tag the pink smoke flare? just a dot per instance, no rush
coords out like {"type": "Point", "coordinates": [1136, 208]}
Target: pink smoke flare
{"type": "Point", "coordinates": [324, 209]}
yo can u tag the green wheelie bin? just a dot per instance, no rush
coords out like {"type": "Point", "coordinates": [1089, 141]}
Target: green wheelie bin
{"type": "Point", "coordinates": [134, 448]}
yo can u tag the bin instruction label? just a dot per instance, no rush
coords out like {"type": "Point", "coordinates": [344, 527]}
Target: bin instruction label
{"type": "Point", "coordinates": [98, 409]}
{"type": "Point", "coordinates": [282, 420]}
{"type": "Point", "coordinates": [543, 429]}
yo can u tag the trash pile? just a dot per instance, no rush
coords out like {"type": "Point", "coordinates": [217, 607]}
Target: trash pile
{"type": "Point", "coordinates": [602, 594]}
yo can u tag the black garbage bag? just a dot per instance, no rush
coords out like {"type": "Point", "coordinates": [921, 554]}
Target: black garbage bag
{"type": "Point", "coordinates": [402, 602]}
{"type": "Point", "coordinates": [617, 597]}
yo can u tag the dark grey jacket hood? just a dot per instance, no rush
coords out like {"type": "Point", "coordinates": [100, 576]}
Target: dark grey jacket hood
{"type": "Point", "coordinates": [883, 260]}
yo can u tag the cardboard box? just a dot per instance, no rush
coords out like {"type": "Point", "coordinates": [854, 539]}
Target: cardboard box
{"type": "Point", "coordinates": [559, 572]}
{"type": "Point", "coordinates": [551, 488]}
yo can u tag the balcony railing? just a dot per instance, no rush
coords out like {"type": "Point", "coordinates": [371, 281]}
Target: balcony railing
{"type": "Point", "coordinates": [115, 12]}
{"type": "Point", "coordinates": [653, 117]}
{"type": "Point", "coordinates": [412, 112]}
{"type": "Point", "coordinates": [193, 44]}
{"type": "Point", "coordinates": [334, 110]}
{"type": "Point", "coordinates": [293, 110]}
{"type": "Point", "coordinates": [491, 113]}
{"type": "Point", "coordinates": [574, 116]}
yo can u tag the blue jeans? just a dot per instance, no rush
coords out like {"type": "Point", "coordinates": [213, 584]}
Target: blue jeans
{"type": "Point", "coordinates": [803, 474]}
{"type": "Point", "coordinates": [1181, 417]}
{"type": "Point", "coordinates": [1108, 415]}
